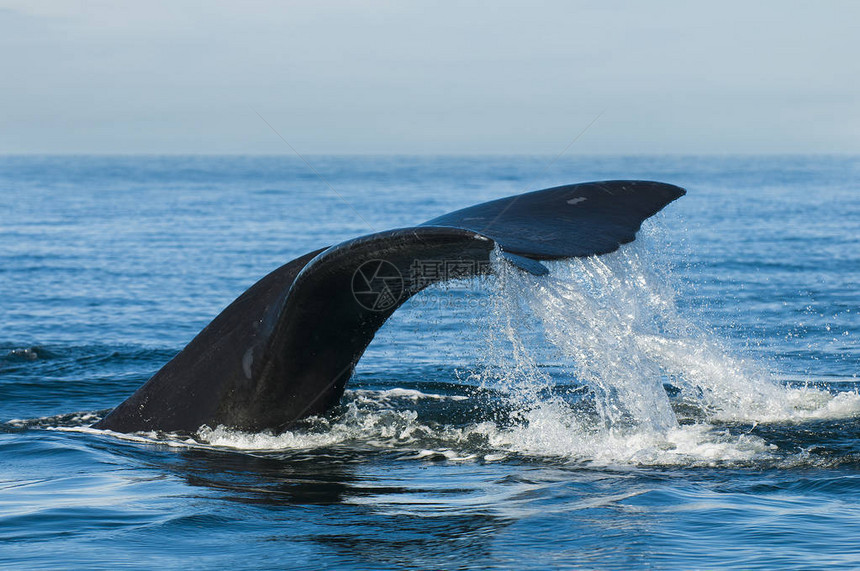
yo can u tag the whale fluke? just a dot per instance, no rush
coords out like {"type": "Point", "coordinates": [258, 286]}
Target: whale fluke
{"type": "Point", "coordinates": [285, 349]}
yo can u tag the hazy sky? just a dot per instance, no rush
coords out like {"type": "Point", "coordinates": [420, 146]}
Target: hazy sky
{"type": "Point", "coordinates": [429, 77]}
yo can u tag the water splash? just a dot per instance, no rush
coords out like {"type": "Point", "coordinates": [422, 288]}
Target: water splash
{"type": "Point", "coordinates": [616, 328]}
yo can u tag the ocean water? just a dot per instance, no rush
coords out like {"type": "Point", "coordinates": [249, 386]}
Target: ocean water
{"type": "Point", "coordinates": [690, 401]}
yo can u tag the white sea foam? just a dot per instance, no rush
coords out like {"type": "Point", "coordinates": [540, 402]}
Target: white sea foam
{"type": "Point", "coordinates": [407, 394]}
{"type": "Point", "coordinates": [546, 432]}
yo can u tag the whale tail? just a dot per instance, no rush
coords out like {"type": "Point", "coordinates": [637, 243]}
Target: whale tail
{"type": "Point", "coordinates": [285, 349]}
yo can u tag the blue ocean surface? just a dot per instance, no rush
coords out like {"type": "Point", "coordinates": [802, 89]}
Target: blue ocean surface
{"type": "Point", "coordinates": [690, 401]}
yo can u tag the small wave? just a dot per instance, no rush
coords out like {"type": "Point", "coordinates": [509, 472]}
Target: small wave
{"type": "Point", "coordinates": [171, 440]}
{"type": "Point", "coordinates": [398, 393]}
{"type": "Point", "coordinates": [25, 354]}
{"type": "Point", "coordinates": [68, 420]}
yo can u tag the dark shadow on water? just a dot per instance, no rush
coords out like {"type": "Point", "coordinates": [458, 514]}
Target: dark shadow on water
{"type": "Point", "coordinates": [443, 541]}
{"type": "Point", "coordinates": [268, 479]}
{"type": "Point", "coordinates": [339, 510]}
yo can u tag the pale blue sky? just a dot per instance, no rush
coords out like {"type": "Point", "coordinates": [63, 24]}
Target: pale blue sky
{"type": "Point", "coordinates": [429, 77]}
